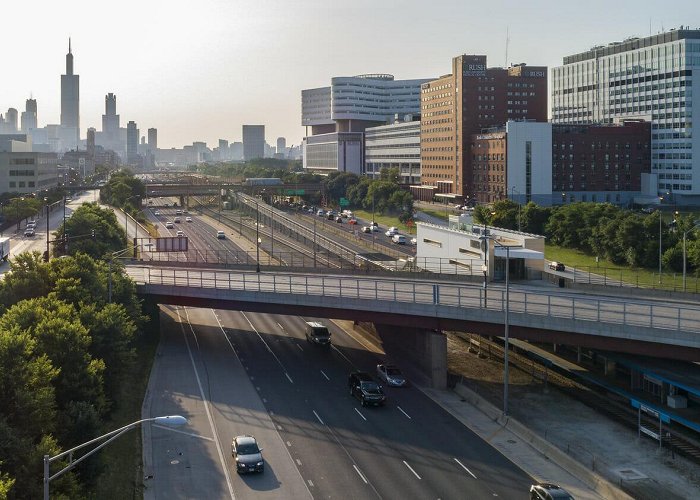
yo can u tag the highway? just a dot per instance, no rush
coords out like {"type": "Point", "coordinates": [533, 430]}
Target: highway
{"type": "Point", "coordinates": [232, 373]}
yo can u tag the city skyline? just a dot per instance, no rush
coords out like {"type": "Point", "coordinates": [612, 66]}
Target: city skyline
{"type": "Point", "coordinates": [202, 81]}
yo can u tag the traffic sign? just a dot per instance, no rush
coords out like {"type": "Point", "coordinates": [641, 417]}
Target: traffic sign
{"type": "Point", "coordinates": [344, 202]}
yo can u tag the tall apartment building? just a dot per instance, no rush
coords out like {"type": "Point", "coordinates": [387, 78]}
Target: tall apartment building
{"type": "Point", "coordinates": [132, 143]}
{"type": "Point", "coordinates": [647, 78]}
{"type": "Point", "coordinates": [338, 116]}
{"type": "Point", "coordinates": [471, 99]}
{"type": "Point", "coordinates": [253, 142]}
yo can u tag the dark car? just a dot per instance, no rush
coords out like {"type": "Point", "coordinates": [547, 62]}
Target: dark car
{"type": "Point", "coordinates": [247, 454]}
{"type": "Point", "coordinates": [366, 389]}
{"type": "Point", "coordinates": [547, 491]}
{"type": "Point", "coordinates": [557, 266]}
{"type": "Point", "coordinates": [339, 219]}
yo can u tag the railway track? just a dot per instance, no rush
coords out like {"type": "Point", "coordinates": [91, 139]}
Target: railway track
{"type": "Point", "coordinates": [612, 405]}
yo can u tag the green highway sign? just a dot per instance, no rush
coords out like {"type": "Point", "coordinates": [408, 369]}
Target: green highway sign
{"type": "Point", "coordinates": [344, 202]}
{"type": "Point", "coordinates": [294, 192]}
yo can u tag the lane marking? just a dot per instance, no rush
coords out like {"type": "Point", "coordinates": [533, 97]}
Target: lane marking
{"type": "Point", "coordinates": [407, 415]}
{"type": "Point", "coordinates": [359, 473]}
{"type": "Point", "coordinates": [165, 427]}
{"type": "Point", "coordinates": [205, 401]}
{"type": "Point", "coordinates": [342, 355]}
{"type": "Point", "coordinates": [411, 469]}
{"type": "Point", "coordinates": [324, 374]}
{"type": "Point", "coordinates": [360, 414]}
{"type": "Point", "coordinates": [319, 418]}
{"type": "Point", "coordinates": [268, 347]}
{"type": "Point", "coordinates": [311, 483]}
{"type": "Point", "coordinates": [465, 468]}
{"type": "Point", "coordinates": [283, 330]}
{"type": "Point", "coordinates": [298, 462]}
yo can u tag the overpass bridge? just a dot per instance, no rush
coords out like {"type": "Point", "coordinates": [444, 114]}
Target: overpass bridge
{"type": "Point", "coordinates": [416, 307]}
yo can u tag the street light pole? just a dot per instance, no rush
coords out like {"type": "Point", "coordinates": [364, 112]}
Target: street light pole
{"type": "Point", "coordinates": [47, 228]}
{"type": "Point", "coordinates": [684, 254]}
{"type": "Point", "coordinates": [257, 238]}
{"type": "Point", "coordinates": [170, 420]}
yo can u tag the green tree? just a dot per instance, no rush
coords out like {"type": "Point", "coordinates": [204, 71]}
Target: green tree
{"type": "Point", "coordinates": [28, 278]}
{"type": "Point", "coordinates": [533, 218]}
{"type": "Point", "coordinates": [88, 218]}
{"type": "Point", "coordinates": [338, 183]}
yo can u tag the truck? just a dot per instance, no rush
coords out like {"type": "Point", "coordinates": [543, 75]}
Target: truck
{"type": "Point", "coordinates": [5, 248]}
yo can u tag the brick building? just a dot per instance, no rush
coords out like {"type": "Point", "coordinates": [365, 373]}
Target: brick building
{"type": "Point", "coordinates": [471, 99]}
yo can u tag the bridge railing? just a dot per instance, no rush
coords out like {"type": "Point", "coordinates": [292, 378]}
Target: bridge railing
{"type": "Point", "coordinates": [451, 298]}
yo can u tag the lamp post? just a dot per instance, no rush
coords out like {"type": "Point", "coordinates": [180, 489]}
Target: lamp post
{"type": "Point", "coordinates": [505, 326]}
{"type": "Point", "coordinates": [46, 200]}
{"type": "Point", "coordinates": [314, 243]}
{"type": "Point", "coordinates": [485, 270]}
{"type": "Point", "coordinates": [257, 238]}
{"type": "Point", "coordinates": [18, 219]}
{"type": "Point", "coordinates": [171, 420]}
{"type": "Point", "coordinates": [685, 233]}
{"type": "Point", "coordinates": [563, 198]}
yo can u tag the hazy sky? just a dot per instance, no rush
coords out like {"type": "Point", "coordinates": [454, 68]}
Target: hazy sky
{"type": "Point", "coordinates": [198, 70]}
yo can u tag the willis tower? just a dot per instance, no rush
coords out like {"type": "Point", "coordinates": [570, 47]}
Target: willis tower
{"type": "Point", "coordinates": [70, 105]}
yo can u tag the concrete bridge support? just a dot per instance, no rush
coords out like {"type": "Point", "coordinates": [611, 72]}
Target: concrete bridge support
{"type": "Point", "coordinates": [426, 350]}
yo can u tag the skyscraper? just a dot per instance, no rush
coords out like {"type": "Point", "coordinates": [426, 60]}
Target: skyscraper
{"type": "Point", "coordinates": [253, 142]}
{"type": "Point", "coordinates": [132, 143]}
{"type": "Point", "coordinates": [11, 120]}
{"type": "Point", "coordinates": [153, 139]}
{"type": "Point", "coordinates": [29, 119]}
{"type": "Point", "coordinates": [70, 104]}
{"type": "Point", "coordinates": [281, 146]}
{"type": "Point", "coordinates": [110, 120]}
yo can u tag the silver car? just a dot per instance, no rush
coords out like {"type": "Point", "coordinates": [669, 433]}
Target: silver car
{"type": "Point", "coordinates": [391, 375]}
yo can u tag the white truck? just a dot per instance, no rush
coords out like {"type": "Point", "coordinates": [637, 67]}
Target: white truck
{"type": "Point", "coordinates": [5, 248]}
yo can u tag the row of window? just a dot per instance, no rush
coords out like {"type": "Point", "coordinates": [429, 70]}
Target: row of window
{"type": "Point", "coordinates": [671, 166]}
{"type": "Point", "coordinates": [438, 104]}
{"type": "Point", "coordinates": [675, 187]}
{"type": "Point", "coordinates": [673, 135]}
{"type": "Point", "coordinates": [22, 184]}
{"type": "Point", "coordinates": [672, 156]}
{"type": "Point", "coordinates": [21, 173]}
{"type": "Point", "coordinates": [672, 145]}
{"type": "Point", "coordinates": [616, 166]}
{"type": "Point", "coordinates": [682, 177]}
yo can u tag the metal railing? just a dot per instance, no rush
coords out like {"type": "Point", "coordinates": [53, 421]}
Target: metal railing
{"type": "Point", "coordinates": [451, 299]}
{"type": "Point", "coordinates": [633, 278]}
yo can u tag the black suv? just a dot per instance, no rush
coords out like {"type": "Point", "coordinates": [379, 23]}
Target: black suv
{"type": "Point", "coordinates": [364, 388]}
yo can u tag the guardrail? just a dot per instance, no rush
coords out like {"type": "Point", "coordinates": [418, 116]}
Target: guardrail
{"type": "Point", "coordinates": [451, 299]}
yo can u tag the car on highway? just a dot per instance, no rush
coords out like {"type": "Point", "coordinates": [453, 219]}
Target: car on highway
{"type": "Point", "coordinates": [557, 266]}
{"type": "Point", "coordinates": [156, 213]}
{"type": "Point", "coordinates": [321, 213]}
{"type": "Point", "coordinates": [177, 220]}
{"type": "Point", "coordinates": [366, 389]}
{"type": "Point", "coordinates": [180, 232]}
{"type": "Point", "coordinates": [330, 215]}
{"type": "Point", "coordinates": [352, 221]}
{"type": "Point", "coordinates": [247, 454]}
{"type": "Point", "coordinates": [391, 375]}
{"type": "Point", "coordinates": [339, 219]}
{"type": "Point", "coordinates": [169, 225]}
{"type": "Point", "coordinates": [178, 212]}
{"type": "Point", "coordinates": [221, 235]}
{"type": "Point", "coordinates": [399, 239]}
{"type": "Point", "coordinates": [366, 229]}
{"type": "Point", "coordinates": [548, 491]}
{"type": "Point", "coordinates": [392, 231]}
{"type": "Point", "coordinates": [188, 219]}
{"type": "Point", "coordinates": [185, 211]}
{"type": "Point", "coordinates": [317, 333]}
{"type": "Point", "coordinates": [414, 241]}
{"type": "Point", "coordinates": [29, 231]}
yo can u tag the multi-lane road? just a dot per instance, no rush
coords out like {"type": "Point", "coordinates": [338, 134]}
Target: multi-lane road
{"type": "Point", "coordinates": [234, 373]}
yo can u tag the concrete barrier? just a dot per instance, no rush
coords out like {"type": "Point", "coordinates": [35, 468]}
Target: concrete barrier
{"type": "Point", "coordinates": [550, 451]}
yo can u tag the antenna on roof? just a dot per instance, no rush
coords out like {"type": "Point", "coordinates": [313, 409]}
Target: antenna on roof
{"type": "Point", "coordinates": [507, 42]}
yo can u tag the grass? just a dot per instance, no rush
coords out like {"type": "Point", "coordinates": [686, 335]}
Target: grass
{"type": "Point", "coordinates": [122, 459]}
{"type": "Point", "coordinates": [637, 276]}
{"type": "Point", "coordinates": [438, 214]}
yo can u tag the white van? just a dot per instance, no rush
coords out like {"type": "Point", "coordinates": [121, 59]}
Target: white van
{"type": "Point", "coordinates": [399, 239]}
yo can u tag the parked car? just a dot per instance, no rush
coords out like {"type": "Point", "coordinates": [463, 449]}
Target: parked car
{"type": "Point", "coordinates": [548, 491]}
{"type": "Point", "coordinates": [557, 266]}
{"type": "Point", "coordinates": [392, 231]}
{"type": "Point", "coordinates": [221, 235]}
{"type": "Point", "coordinates": [363, 387]}
{"type": "Point", "coordinates": [247, 454]}
{"type": "Point", "coordinates": [29, 231]}
{"type": "Point", "coordinates": [391, 375]}
{"type": "Point", "coordinates": [399, 239]}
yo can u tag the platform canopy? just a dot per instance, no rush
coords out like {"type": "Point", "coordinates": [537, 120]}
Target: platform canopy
{"type": "Point", "coordinates": [518, 253]}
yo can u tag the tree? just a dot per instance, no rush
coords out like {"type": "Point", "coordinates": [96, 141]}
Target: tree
{"type": "Point", "coordinates": [533, 218]}
{"type": "Point", "coordinates": [88, 218]}
{"type": "Point", "coordinates": [338, 183]}
{"type": "Point", "coordinates": [28, 278]}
